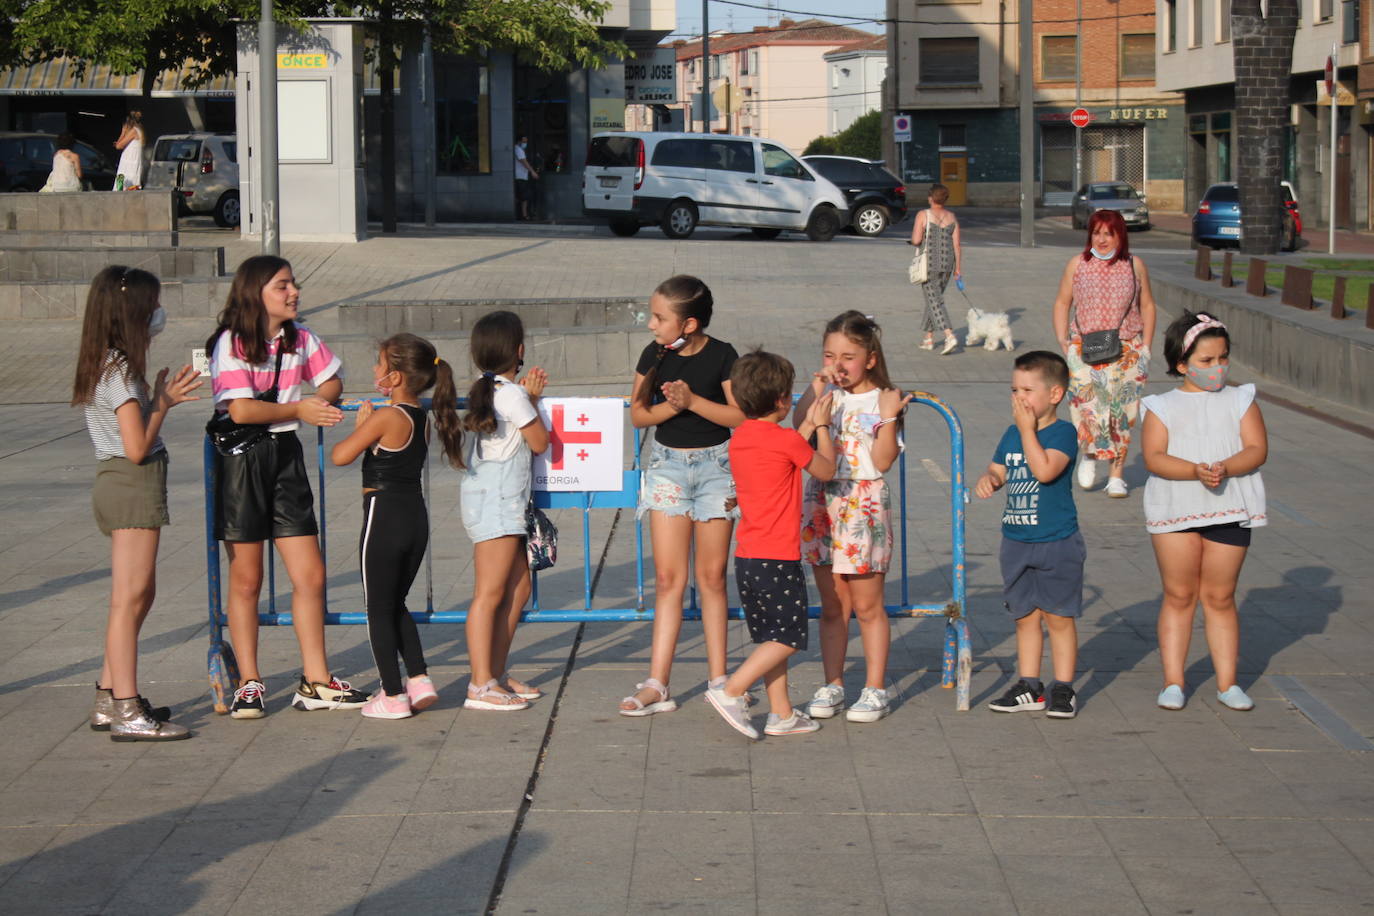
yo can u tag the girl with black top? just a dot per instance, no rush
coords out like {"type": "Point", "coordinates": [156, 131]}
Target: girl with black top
{"type": "Point", "coordinates": [394, 446]}
{"type": "Point", "coordinates": [682, 390]}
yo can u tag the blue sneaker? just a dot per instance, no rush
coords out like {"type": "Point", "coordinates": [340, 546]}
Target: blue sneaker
{"type": "Point", "coordinates": [1171, 698]}
{"type": "Point", "coordinates": [1235, 698]}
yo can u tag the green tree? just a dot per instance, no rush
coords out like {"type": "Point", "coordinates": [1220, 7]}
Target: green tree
{"type": "Point", "coordinates": [863, 138]}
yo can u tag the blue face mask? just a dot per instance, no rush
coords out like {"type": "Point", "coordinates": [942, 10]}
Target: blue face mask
{"type": "Point", "coordinates": [1104, 257]}
{"type": "Point", "coordinates": [1212, 378]}
{"type": "Point", "coordinates": [157, 321]}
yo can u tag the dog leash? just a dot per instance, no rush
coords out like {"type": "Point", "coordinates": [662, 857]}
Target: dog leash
{"type": "Point", "coordinates": [969, 301]}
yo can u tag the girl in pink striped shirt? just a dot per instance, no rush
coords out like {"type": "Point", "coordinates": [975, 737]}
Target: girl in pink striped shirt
{"type": "Point", "coordinates": [259, 358]}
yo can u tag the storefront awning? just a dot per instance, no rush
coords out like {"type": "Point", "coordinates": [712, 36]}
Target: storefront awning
{"type": "Point", "coordinates": [64, 77]}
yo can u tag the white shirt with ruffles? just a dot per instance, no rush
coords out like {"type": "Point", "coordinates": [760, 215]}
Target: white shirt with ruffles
{"type": "Point", "coordinates": [1204, 426]}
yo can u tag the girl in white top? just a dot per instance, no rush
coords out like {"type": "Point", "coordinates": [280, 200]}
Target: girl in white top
{"type": "Point", "coordinates": [130, 142]}
{"type": "Point", "coordinates": [1203, 443]}
{"type": "Point", "coordinates": [495, 491]}
{"type": "Point", "coordinates": [66, 166]}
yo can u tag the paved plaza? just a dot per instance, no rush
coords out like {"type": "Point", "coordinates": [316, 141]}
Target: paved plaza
{"type": "Point", "coordinates": [569, 808]}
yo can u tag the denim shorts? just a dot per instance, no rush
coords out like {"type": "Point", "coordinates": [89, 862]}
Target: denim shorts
{"type": "Point", "coordinates": [494, 495]}
{"type": "Point", "coordinates": [695, 482]}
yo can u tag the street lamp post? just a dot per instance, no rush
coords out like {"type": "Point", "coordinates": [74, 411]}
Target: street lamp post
{"type": "Point", "coordinates": [267, 140]}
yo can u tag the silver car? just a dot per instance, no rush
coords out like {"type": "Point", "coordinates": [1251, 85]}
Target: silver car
{"type": "Point", "coordinates": [1110, 195]}
{"type": "Point", "coordinates": [204, 170]}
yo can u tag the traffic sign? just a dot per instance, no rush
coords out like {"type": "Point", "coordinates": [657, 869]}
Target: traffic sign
{"type": "Point", "coordinates": [1080, 117]}
{"type": "Point", "coordinates": [1330, 75]}
{"type": "Point", "coordinates": [901, 129]}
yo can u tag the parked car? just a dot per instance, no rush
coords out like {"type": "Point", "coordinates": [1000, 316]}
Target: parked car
{"type": "Point", "coordinates": [1217, 220]}
{"type": "Point", "coordinates": [876, 197]}
{"type": "Point", "coordinates": [679, 181]}
{"type": "Point", "coordinates": [1110, 195]}
{"type": "Point", "coordinates": [203, 168]}
{"type": "Point", "coordinates": [27, 160]}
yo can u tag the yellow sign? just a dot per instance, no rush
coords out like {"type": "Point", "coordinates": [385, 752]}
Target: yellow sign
{"type": "Point", "coordinates": [302, 61]}
{"type": "Point", "coordinates": [608, 114]}
{"type": "Point", "coordinates": [1344, 95]}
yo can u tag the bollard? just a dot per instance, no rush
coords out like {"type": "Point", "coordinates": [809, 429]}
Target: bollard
{"type": "Point", "coordinates": [1254, 279]}
{"type": "Point", "coordinates": [1202, 267]}
{"type": "Point", "coordinates": [1338, 299]}
{"type": "Point", "coordinates": [1297, 287]}
{"type": "Point", "coordinates": [1228, 279]}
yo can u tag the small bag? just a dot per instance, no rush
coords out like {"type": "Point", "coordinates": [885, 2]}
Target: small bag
{"type": "Point", "coordinates": [1101, 347]}
{"type": "Point", "coordinates": [230, 438]}
{"type": "Point", "coordinates": [541, 539]}
{"type": "Point", "coordinates": [919, 271]}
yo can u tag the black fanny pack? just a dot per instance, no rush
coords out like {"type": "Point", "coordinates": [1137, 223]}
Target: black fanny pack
{"type": "Point", "coordinates": [230, 438]}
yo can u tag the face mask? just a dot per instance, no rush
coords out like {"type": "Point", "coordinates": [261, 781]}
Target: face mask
{"type": "Point", "coordinates": [1210, 379]}
{"type": "Point", "coordinates": [1104, 256]}
{"type": "Point", "coordinates": [157, 321]}
{"type": "Point", "coordinates": [677, 344]}
{"type": "Point", "coordinates": [383, 389]}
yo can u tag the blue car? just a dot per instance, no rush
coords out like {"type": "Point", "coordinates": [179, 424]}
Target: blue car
{"type": "Point", "coordinates": [1217, 220]}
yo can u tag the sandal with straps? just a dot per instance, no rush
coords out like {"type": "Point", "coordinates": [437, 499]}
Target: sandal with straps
{"type": "Point", "coordinates": [529, 693]}
{"type": "Point", "coordinates": [500, 702]}
{"type": "Point", "coordinates": [664, 704]}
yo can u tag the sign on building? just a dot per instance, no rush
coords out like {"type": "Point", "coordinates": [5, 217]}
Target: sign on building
{"type": "Point", "coordinates": [651, 77]}
{"type": "Point", "coordinates": [608, 114]}
{"type": "Point", "coordinates": [586, 445]}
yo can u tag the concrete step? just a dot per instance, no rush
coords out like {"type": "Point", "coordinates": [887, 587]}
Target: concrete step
{"type": "Point", "coordinates": [81, 264]}
{"type": "Point", "coordinates": [66, 299]}
{"type": "Point", "coordinates": [85, 238]}
{"type": "Point", "coordinates": [126, 211]}
{"type": "Point", "coordinates": [426, 316]}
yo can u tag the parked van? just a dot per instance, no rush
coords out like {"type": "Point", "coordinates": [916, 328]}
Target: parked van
{"type": "Point", "coordinates": [203, 168]}
{"type": "Point", "coordinates": [680, 181]}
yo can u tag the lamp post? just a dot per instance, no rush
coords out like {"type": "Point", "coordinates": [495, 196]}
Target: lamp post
{"type": "Point", "coordinates": [267, 140]}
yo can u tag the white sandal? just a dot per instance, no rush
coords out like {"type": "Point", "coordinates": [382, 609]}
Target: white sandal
{"type": "Point", "coordinates": [529, 693]}
{"type": "Point", "coordinates": [665, 703]}
{"type": "Point", "coordinates": [477, 699]}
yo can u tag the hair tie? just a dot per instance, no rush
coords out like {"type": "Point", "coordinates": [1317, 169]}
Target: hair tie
{"type": "Point", "coordinates": [490, 375]}
{"type": "Point", "coordinates": [436, 360]}
{"type": "Point", "coordinates": [1204, 321]}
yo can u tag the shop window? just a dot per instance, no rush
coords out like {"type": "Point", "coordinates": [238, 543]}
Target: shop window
{"type": "Point", "coordinates": [1138, 56]}
{"type": "Point", "coordinates": [953, 137]}
{"type": "Point", "coordinates": [1223, 20]}
{"type": "Point", "coordinates": [949, 61]}
{"type": "Point", "coordinates": [462, 116]}
{"type": "Point", "coordinates": [1170, 26]}
{"type": "Point", "coordinates": [541, 113]}
{"type": "Point", "coordinates": [1195, 32]}
{"type": "Point", "coordinates": [1058, 57]}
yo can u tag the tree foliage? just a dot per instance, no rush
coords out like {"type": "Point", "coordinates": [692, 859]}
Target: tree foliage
{"type": "Point", "coordinates": [863, 138]}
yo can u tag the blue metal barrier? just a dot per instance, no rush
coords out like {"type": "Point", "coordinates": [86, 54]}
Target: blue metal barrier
{"type": "Point", "coordinates": [957, 656]}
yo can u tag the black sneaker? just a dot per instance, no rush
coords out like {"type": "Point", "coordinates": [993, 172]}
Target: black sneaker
{"type": "Point", "coordinates": [1020, 697]}
{"type": "Point", "coordinates": [249, 701]}
{"type": "Point", "coordinates": [1063, 702]}
{"type": "Point", "coordinates": [336, 694]}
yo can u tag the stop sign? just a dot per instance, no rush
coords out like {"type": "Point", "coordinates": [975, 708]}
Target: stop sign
{"type": "Point", "coordinates": [1079, 117]}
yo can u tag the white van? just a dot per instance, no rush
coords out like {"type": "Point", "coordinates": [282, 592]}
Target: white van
{"type": "Point", "coordinates": [679, 181]}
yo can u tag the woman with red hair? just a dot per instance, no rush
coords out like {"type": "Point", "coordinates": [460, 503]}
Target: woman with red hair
{"type": "Point", "coordinates": [1107, 289]}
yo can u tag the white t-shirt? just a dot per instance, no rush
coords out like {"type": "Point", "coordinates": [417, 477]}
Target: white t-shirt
{"type": "Point", "coordinates": [112, 392]}
{"type": "Point", "coordinates": [853, 427]}
{"type": "Point", "coordinates": [521, 171]}
{"type": "Point", "coordinates": [513, 411]}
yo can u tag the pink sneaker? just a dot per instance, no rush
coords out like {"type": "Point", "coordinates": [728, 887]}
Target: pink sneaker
{"type": "Point", "coordinates": [421, 692]}
{"type": "Point", "coordinates": [381, 706]}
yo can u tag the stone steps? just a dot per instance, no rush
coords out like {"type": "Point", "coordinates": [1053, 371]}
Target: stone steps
{"type": "Point", "coordinates": [80, 264]}
{"type": "Point", "coordinates": [429, 316]}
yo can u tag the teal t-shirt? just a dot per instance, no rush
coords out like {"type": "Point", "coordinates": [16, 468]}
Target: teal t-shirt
{"type": "Point", "coordinates": [1036, 511]}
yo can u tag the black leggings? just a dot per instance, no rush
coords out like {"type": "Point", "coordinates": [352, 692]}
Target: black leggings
{"type": "Point", "coordinates": [392, 546]}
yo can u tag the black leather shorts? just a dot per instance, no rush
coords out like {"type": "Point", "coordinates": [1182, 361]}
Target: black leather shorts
{"type": "Point", "coordinates": [265, 494]}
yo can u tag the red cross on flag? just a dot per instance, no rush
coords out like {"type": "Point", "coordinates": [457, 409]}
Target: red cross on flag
{"type": "Point", "coordinates": [586, 444]}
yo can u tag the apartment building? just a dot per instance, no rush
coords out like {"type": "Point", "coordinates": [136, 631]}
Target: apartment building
{"type": "Point", "coordinates": [781, 75]}
{"type": "Point", "coordinates": [856, 75]}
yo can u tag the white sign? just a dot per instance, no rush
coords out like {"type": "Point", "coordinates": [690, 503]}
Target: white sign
{"type": "Point", "coordinates": [586, 445]}
{"type": "Point", "coordinates": [652, 76]}
{"type": "Point", "coordinates": [200, 361]}
{"type": "Point", "coordinates": [901, 129]}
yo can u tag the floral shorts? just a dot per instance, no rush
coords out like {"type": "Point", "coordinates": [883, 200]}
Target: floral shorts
{"type": "Point", "coordinates": [847, 525]}
{"type": "Point", "coordinates": [695, 482]}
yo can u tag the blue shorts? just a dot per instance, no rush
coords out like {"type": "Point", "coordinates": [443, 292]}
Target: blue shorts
{"type": "Point", "coordinates": [494, 495]}
{"type": "Point", "coordinates": [695, 482]}
{"type": "Point", "coordinates": [1047, 575]}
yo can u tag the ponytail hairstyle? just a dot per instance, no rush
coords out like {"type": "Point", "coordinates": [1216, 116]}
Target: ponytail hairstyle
{"type": "Point", "coordinates": [864, 331]}
{"type": "Point", "coordinates": [118, 307]}
{"type": "Point", "coordinates": [689, 298]}
{"type": "Point", "coordinates": [495, 343]}
{"type": "Point", "coordinates": [418, 362]}
{"type": "Point", "coordinates": [244, 314]}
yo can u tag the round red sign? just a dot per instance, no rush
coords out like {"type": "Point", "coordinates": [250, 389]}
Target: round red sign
{"type": "Point", "coordinates": [1079, 117]}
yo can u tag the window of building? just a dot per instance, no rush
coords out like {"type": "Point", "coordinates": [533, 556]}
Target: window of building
{"type": "Point", "coordinates": [949, 61]}
{"type": "Point", "coordinates": [462, 116]}
{"type": "Point", "coordinates": [952, 136]}
{"type": "Point", "coordinates": [754, 61]}
{"type": "Point", "coordinates": [715, 66]}
{"type": "Point", "coordinates": [1325, 10]}
{"type": "Point", "coordinates": [1350, 21]}
{"type": "Point", "coordinates": [1170, 26]}
{"type": "Point", "coordinates": [744, 63]}
{"type": "Point", "coordinates": [1223, 20]}
{"type": "Point", "coordinates": [1058, 57]}
{"type": "Point", "coordinates": [834, 76]}
{"type": "Point", "coordinates": [692, 67]}
{"type": "Point", "coordinates": [1195, 29]}
{"type": "Point", "coordinates": [541, 113]}
{"type": "Point", "coordinates": [1138, 56]}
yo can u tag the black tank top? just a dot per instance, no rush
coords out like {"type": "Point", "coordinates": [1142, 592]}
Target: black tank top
{"type": "Point", "coordinates": [398, 471]}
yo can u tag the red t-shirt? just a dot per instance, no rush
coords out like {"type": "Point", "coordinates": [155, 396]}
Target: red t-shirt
{"type": "Point", "coordinates": [766, 461]}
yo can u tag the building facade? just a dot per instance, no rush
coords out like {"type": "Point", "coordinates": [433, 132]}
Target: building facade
{"type": "Point", "coordinates": [855, 75]}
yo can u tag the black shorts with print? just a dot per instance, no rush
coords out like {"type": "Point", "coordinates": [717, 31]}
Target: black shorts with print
{"type": "Point", "coordinates": [773, 596]}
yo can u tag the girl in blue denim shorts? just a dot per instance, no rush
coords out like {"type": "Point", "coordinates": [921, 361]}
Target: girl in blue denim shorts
{"type": "Point", "coordinates": [495, 490]}
{"type": "Point", "coordinates": [682, 390]}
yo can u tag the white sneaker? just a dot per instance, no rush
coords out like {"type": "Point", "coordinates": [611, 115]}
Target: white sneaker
{"type": "Point", "coordinates": [799, 723]}
{"type": "Point", "coordinates": [733, 710]}
{"type": "Point", "coordinates": [1116, 488]}
{"type": "Point", "coordinates": [1087, 473]}
{"type": "Point", "coordinates": [829, 699]}
{"type": "Point", "coordinates": [872, 706]}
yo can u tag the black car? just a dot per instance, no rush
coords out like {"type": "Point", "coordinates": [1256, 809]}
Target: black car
{"type": "Point", "coordinates": [27, 160]}
{"type": "Point", "coordinates": [877, 198]}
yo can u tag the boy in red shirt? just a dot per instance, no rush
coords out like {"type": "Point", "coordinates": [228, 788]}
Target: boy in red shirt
{"type": "Point", "coordinates": [766, 461]}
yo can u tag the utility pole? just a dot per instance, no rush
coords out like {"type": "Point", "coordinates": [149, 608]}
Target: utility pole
{"type": "Point", "coordinates": [1026, 73]}
{"type": "Point", "coordinates": [705, 66]}
{"type": "Point", "coordinates": [1332, 87]}
{"type": "Point", "coordinates": [267, 140]}
{"type": "Point", "coordinates": [1078, 97]}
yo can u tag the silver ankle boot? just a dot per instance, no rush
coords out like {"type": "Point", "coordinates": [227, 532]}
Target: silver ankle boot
{"type": "Point", "coordinates": [133, 720]}
{"type": "Point", "coordinates": [102, 713]}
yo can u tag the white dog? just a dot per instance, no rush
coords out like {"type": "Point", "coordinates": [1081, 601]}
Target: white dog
{"type": "Point", "coordinates": [990, 327]}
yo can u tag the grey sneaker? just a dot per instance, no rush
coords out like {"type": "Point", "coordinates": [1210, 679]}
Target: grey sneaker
{"type": "Point", "coordinates": [829, 700]}
{"type": "Point", "coordinates": [733, 710]}
{"type": "Point", "coordinates": [872, 706]}
{"type": "Point", "coordinates": [799, 723]}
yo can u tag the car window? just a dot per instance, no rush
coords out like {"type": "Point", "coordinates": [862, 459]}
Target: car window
{"type": "Point", "coordinates": [1222, 192]}
{"type": "Point", "coordinates": [780, 163]}
{"type": "Point", "coordinates": [1113, 192]}
{"type": "Point", "coordinates": [231, 150]}
{"type": "Point", "coordinates": [180, 149]}
{"type": "Point", "coordinates": [39, 149]}
{"type": "Point", "coordinates": [90, 159]}
{"type": "Point", "coordinates": [730, 156]}
{"type": "Point", "coordinates": [683, 154]}
{"type": "Point", "coordinates": [611, 152]}
{"type": "Point", "coordinates": [11, 150]}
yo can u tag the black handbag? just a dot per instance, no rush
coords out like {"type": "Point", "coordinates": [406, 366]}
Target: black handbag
{"type": "Point", "coordinates": [230, 438]}
{"type": "Point", "coordinates": [1101, 347]}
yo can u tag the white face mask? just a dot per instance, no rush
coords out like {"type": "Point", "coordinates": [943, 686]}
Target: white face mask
{"type": "Point", "coordinates": [1104, 256]}
{"type": "Point", "coordinates": [157, 321]}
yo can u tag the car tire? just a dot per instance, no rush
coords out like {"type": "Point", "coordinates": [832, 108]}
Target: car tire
{"type": "Point", "coordinates": [624, 227]}
{"type": "Point", "coordinates": [1077, 223]}
{"type": "Point", "coordinates": [870, 220]}
{"type": "Point", "coordinates": [762, 233]}
{"type": "Point", "coordinates": [823, 224]}
{"type": "Point", "coordinates": [679, 219]}
{"type": "Point", "coordinates": [227, 213]}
